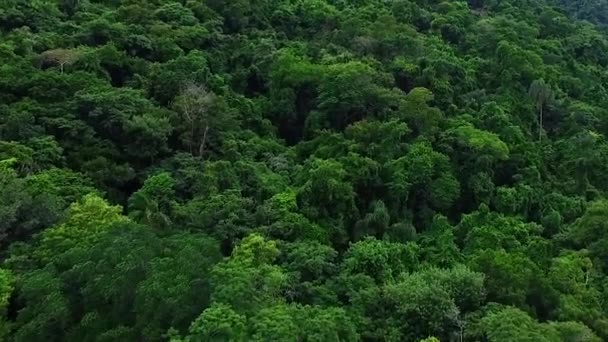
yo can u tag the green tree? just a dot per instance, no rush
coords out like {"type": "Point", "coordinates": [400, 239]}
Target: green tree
{"type": "Point", "coordinates": [177, 287]}
{"type": "Point", "coordinates": [248, 281]}
{"type": "Point", "coordinates": [511, 324]}
{"type": "Point", "coordinates": [432, 301]}
{"type": "Point", "coordinates": [274, 324]}
{"type": "Point", "coordinates": [324, 324]}
{"type": "Point", "coordinates": [6, 289]}
{"type": "Point", "coordinates": [153, 203]}
{"type": "Point", "coordinates": [309, 266]}
{"type": "Point", "coordinates": [25, 208]}
{"type": "Point", "coordinates": [326, 195]}
{"type": "Point", "coordinates": [46, 314]}
{"type": "Point", "coordinates": [589, 232]}
{"type": "Point", "coordinates": [217, 323]}
{"type": "Point", "coordinates": [87, 220]}
{"type": "Point", "coordinates": [382, 261]}
{"type": "Point", "coordinates": [423, 118]}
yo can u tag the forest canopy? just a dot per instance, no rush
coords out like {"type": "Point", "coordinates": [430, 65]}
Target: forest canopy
{"type": "Point", "coordinates": [303, 170]}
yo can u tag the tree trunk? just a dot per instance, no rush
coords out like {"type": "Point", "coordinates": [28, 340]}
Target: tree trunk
{"type": "Point", "coordinates": [201, 149]}
{"type": "Point", "coordinates": [540, 123]}
{"type": "Point", "coordinates": [191, 138]}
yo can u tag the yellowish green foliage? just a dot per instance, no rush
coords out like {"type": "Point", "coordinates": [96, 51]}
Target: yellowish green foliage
{"type": "Point", "coordinates": [86, 221]}
{"type": "Point", "coordinates": [6, 290]}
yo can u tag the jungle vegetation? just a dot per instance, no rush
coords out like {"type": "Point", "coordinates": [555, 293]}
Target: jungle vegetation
{"type": "Point", "coordinates": [303, 170]}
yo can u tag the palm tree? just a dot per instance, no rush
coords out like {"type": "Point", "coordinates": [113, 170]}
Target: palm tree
{"type": "Point", "coordinates": [146, 210]}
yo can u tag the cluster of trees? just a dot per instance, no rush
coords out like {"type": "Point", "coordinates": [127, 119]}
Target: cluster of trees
{"type": "Point", "coordinates": [594, 11]}
{"type": "Point", "coordinates": [310, 170]}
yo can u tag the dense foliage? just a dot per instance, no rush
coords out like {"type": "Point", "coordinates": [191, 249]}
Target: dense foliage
{"type": "Point", "coordinates": [595, 11]}
{"type": "Point", "coordinates": [303, 170]}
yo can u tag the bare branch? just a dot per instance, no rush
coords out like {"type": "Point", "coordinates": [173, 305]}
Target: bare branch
{"type": "Point", "coordinates": [194, 104]}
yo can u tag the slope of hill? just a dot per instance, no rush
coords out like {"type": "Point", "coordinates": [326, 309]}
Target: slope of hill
{"type": "Point", "coordinates": [302, 170]}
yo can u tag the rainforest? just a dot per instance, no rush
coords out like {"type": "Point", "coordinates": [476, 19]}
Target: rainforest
{"type": "Point", "coordinates": [304, 170]}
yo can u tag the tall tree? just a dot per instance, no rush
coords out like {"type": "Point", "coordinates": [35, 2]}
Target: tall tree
{"type": "Point", "coordinates": [203, 114]}
{"type": "Point", "coordinates": [542, 95]}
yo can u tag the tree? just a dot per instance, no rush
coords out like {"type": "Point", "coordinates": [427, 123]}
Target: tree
{"type": "Point", "coordinates": [204, 116]}
{"type": "Point", "coordinates": [379, 140]}
{"type": "Point", "coordinates": [421, 177]}
{"type": "Point", "coordinates": [501, 268]}
{"type": "Point", "coordinates": [25, 208]}
{"type": "Point", "coordinates": [63, 185]}
{"type": "Point", "coordinates": [422, 117]}
{"type": "Point", "coordinates": [504, 323]}
{"type": "Point", "coordinates": [382, 261]}
{"type": "Point", "coordinates": [131, 124]}
{"type": "Point", "coordinates": [69, 6]}
{"type": "Point", "coordinates": [217, 323]}
{"type": "Point", "coordinates": [101, 283]}
{"type": "Point", "coordinates": [61, 57]}
{"type": "Point", "coordinates": [480, 142]}
{"type": "Point", "coordinates": [177, 286]}
{"type": "Point", "coordinates": [589, 232]}
{"type": "Point", "coordinates": [274, 324]}
{"type": "Point", "coordinates": [281, 219]}
{"type": "Point", "coordinates": [153, 203]}
{"type": "Point", "coordinates": [584, 156]}
{"type": "Point", "coordinates": [45, 316]}
{"type": "Point", "coordinates": [438, 244]}
{"type": "Point", "coordinates": [571, 275]}
{"type": "Point", "coordinates": [431, 301]}
{"type": "Point", "coordinates": [318, 324]}
{"type": "Point", "coordinates": [6, 289]}
{"type": "Point", "coordinates": [228, 216]}
{"type": "Point", "coordinates": [573, 331]}
{"type": "Point", "coordinates": [87, 220]}
{"type": "Point", "coordinates": [326, 195]}
{"type": "Point", "coordinates": [248, 281]}
{"type": "Point", "coordinates": [351, 92]}
{"type": "Point", "coordinates": [542, 95]}
{"type": "Point", "coordinates": [375, 222]}
{"type": "Point", "coordinates": [194, 104]}
{"type": "Point", "coordinates": [430, 339]}
{"type": "Point", "coordinates": [309, 265]}
{"type": "Point", "coordinates": [281, 322]}
{"type": "Point", "coordinates": [511, 324]}
{"type": "Point", "coordinates": [127, 284]}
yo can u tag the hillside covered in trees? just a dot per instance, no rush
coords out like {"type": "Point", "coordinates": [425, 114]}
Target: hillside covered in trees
{"type": "Point", "coordinates": [303, 170]}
